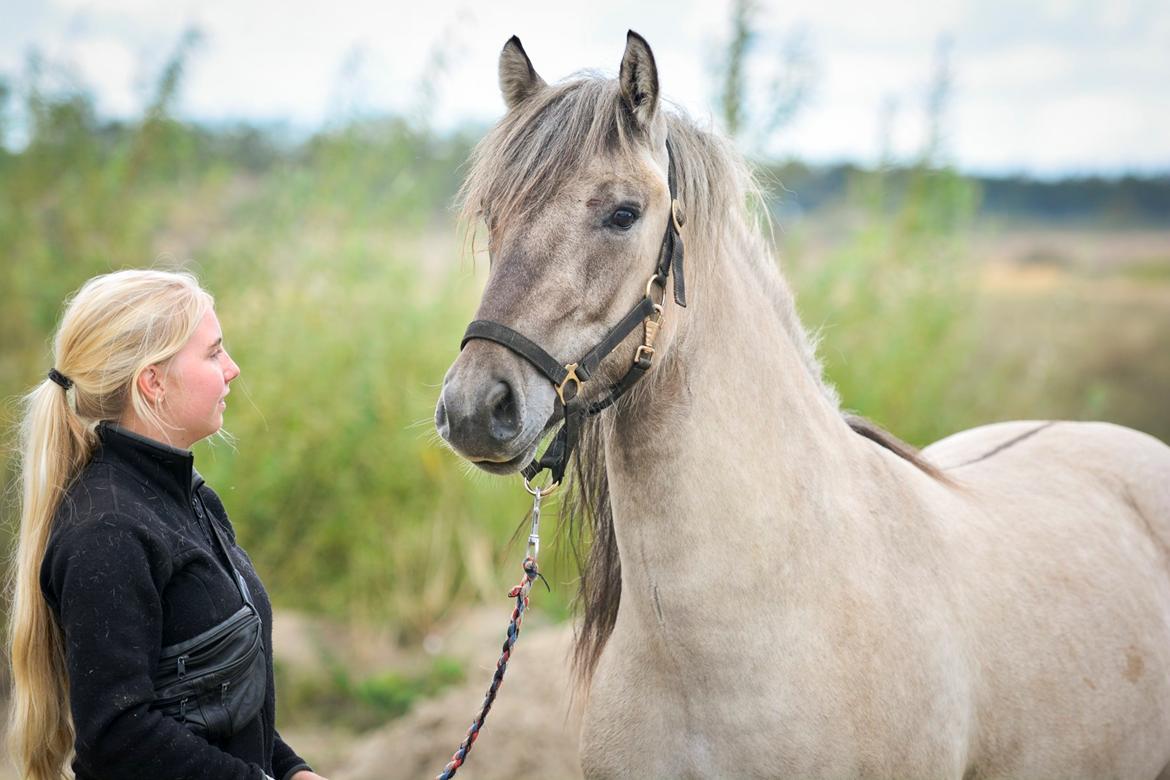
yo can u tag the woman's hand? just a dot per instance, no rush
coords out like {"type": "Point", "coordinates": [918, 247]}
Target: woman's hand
{"type": "Point", "coordinates": [305, 774]}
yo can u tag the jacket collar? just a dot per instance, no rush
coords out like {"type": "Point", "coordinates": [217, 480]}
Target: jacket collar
{"type": "Point", "coordinates": [168, 469]}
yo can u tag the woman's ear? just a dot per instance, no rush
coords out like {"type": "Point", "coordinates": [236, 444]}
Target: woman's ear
{"type": "Point", "coordinates": [150, 385]}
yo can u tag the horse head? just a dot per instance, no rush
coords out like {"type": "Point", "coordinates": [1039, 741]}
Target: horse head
{"type": "Point", "coordinates": [573, 185]}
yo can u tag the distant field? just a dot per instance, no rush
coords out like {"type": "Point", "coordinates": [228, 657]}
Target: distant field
{"type": "Point", "coordinates": [1067, 322]}
{"type": "Point", "coordinates": [1134, 254]}
{"type": "Point", "coordinates": [1084, 316]}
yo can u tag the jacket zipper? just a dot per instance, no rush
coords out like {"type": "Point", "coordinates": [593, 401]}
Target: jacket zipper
{"type": "Point", "coordinates": [241, 662]}
{"type": "Point", "coordinates": [217, 632]}
{"type": "Point", "coordinates": [182, 661]}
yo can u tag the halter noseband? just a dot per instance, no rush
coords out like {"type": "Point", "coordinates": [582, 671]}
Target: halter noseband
{"type": "Point", "coordinates": [647, 312]}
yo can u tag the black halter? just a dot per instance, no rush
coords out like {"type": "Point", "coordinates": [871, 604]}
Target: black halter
{"type": "Point", "coordinates": [670, 256]}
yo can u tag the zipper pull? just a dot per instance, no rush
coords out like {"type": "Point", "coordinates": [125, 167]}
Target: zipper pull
{"type": "Point", "coordinates": [182, 663]}
{"type": "Point", "coordinates": [223, 695]}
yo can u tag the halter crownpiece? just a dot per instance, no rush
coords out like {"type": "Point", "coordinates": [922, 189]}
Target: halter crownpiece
{"type": "Point", "coordinates": [59, 378]}
{"type": "Point", "coordinates": [647, 312]}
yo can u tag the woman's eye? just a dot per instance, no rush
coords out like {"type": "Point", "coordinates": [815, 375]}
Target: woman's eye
{"type": "Point", "coordinates": [623, 218]}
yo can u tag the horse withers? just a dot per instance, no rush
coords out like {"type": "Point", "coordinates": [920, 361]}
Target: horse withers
{"type": "Point", "coordinates": [773, 588]}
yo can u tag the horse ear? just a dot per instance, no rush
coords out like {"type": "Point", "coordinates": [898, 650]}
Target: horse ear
{"type": "Point", "coordinates": [518, 79]}
{"type": "Point", "coordinates": [639, 80]}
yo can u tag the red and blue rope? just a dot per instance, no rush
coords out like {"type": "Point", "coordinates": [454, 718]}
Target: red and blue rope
{"type": "Point", "coordinates": [520, 593]}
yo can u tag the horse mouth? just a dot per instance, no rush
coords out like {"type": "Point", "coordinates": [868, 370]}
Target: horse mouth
{"type": "Point", "coordinates": [511, 464]}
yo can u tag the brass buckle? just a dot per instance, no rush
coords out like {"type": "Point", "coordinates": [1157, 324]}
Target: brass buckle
{"type": "Point", "coordinates": [645, 350]}
{"type": "Point", "coordinates": [571, 377]}
{"type": "Point", "coordinates": [676, 214]}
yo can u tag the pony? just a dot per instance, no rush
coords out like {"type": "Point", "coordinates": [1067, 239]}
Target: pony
{"type": "Point", "coordinates": [774, 588]}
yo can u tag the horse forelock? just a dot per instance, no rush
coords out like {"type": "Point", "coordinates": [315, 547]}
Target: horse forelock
{"type": "Point", "coordinates": [549, 139]}
{"type": "Point", "coordinates": [538, 146]}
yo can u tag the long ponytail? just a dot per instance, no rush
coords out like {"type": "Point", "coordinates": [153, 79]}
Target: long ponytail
{"type": "Point", "coordinates": [54, 447]}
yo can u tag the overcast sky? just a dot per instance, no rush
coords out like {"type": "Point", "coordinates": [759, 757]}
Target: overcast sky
{"type": "Point", "coordinates": [1039, 86]}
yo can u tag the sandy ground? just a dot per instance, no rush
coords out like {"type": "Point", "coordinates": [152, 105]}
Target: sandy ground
{"type": "Point", "coordinates": [530, 731]}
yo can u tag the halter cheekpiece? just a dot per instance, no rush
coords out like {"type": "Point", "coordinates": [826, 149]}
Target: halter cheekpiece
{"type": "Point", "coordinates": [567, 378]}
{"type": "Point", "coordinates": [62, 380]}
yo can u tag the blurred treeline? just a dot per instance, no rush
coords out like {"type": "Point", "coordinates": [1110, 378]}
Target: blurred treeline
{"type": "Point", "coordinates": [336, 266]}
{"type": "Point", "coordinates": [1085, 201]}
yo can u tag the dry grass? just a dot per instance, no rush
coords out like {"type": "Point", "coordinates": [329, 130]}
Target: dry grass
{"type": "Point", "coordinates": [1083, 316]}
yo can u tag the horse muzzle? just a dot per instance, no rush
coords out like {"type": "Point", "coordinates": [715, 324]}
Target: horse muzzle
{"type": "Point", "coordinates": [493, 408]}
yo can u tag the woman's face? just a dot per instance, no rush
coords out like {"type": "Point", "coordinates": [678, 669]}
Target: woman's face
{"type": "Point", "coordinates": [196, 385]}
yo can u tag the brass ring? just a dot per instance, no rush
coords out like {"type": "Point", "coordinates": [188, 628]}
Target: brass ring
{"type": "Point", "coordinates": [547, 490]}
{"type": "Point", "coordinates": [656, 278]}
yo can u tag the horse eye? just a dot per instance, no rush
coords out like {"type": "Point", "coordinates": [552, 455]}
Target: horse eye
{"type": "Point", "coordinates": [623, 218]}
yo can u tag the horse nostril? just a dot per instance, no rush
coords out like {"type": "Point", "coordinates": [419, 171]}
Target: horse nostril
{"type": "Point", "coordinates": [504, 424]}
{"type": "Point", "coordinates": [441, 424]}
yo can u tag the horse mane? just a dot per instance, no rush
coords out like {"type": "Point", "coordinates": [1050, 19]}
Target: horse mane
{"type": "Point", "coordinates": [881, 436]}
{"type": "Point", "coordinates": [517, 167]}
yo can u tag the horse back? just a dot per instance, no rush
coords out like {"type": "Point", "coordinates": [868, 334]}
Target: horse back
{"type": "Point", "coordinates": [1114, 462]}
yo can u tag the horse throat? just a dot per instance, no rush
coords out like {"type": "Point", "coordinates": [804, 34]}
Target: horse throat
{"type": "Point", "coordinates": [733, 449]}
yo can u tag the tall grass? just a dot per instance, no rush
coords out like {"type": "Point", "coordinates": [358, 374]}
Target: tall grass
{"type": "Point", "coordinates": [893, 303]}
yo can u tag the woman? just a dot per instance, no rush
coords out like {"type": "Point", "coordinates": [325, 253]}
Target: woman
{"type": "Point", "coordinates": [141, 634]}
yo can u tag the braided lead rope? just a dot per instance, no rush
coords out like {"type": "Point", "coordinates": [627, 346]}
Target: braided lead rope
{"type": "Point", "coordinates": [520, 593]}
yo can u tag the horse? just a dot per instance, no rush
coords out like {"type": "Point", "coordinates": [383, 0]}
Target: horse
{"type": "Point", "coordinates": [775, 588]}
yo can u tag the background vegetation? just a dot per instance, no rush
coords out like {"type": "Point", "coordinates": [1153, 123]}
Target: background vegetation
{"type": "Point", "coordinates": [340, 284]}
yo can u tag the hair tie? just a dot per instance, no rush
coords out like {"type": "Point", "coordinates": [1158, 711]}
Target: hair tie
{"type": "Point", "coordinates": [64, 381]}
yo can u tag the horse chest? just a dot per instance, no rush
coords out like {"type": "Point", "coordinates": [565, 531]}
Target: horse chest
{"type": "Point", "coordinates": [726, 704]}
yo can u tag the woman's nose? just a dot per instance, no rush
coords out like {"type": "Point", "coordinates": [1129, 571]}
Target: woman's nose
{"type": "Point", "coordinates": [232, 371]}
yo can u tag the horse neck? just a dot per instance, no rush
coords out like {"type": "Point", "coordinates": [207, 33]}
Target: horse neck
{"type": "Point", "coordinates": [735, 442]}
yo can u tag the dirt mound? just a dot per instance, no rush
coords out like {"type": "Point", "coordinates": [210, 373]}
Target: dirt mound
{"type": "Point", "coordinates": [530, 731]}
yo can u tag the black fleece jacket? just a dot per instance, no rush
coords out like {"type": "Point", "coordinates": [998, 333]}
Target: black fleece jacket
{"type": "Point", "coordinates": [130, 568]}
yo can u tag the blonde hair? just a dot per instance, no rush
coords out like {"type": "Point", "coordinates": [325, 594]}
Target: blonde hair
{"type": "Point", "coordinates": [115, 327]}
